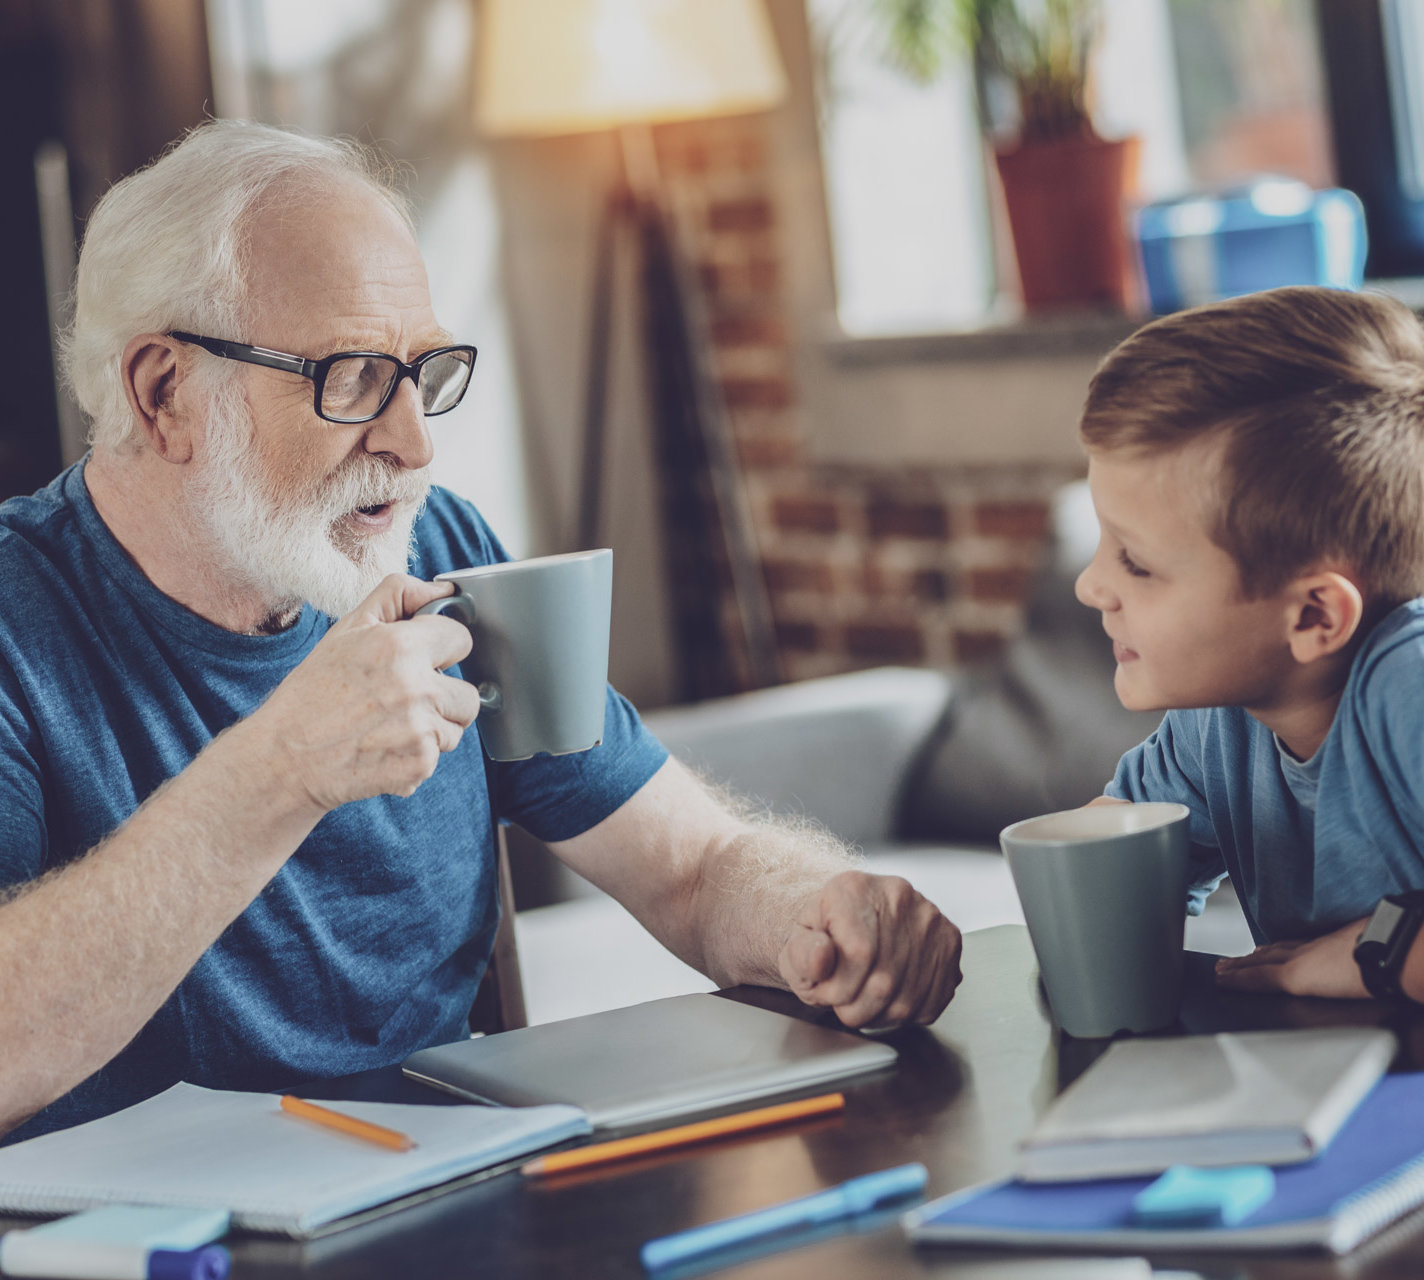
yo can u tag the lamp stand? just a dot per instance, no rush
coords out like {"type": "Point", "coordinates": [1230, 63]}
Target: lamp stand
{"type": "Point", "coordinates": [710, 541]}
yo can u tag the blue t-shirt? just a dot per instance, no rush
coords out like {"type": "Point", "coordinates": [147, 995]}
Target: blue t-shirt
{"type": "Point", "coordinates": [371, 940]}
{"type": "Point", "coordinates": [1309, 845]}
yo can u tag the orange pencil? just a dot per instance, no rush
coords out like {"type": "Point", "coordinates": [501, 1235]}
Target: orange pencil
{"type": "Point", "coordinates": [663, 1139]}
{"type": "Point", "coordinates": [377, 1133]}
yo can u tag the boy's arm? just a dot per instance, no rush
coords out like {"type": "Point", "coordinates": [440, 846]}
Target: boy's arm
{"type": "Point", "coordinates": [1323, 966]}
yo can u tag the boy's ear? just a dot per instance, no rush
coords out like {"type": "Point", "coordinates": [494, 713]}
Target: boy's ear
{"type": "Point", "coordinates": [1326, 612]}
{"type": "Point", "coordinates": [151, 368]}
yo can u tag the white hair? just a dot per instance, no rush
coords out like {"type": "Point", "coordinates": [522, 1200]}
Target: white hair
{"type": "Point", "coordinates": [164, 248]}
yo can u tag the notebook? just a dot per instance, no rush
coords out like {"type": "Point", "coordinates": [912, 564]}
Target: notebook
{"type": "Point", "coordinates": [1253, 1097]}
{"type": "Point", "coordinates": [650, 1061]}
{"type": "Point", "coordinates": [1372, 1174]}
{"type": "Point", "coordinates": [197, 1148]}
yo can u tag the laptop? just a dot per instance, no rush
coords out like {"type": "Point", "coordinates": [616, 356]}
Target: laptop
{"type": "Point", "coordinates": [650, 1062]}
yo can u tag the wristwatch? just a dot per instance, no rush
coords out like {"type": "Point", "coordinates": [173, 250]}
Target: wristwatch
{"type": "Point", "coordinates": [1386, 939]}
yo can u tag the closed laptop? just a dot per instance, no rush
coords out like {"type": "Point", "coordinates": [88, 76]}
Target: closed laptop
{"type": "Point", "coordinates": [650, 1061]}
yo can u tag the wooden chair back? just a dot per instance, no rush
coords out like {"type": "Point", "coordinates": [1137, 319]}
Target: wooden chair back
{"type": "Point", "coordinates": [499, 1002]}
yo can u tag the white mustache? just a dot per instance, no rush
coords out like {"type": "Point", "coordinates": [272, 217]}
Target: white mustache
{"type": "Point", "coordinates": [371, 483]}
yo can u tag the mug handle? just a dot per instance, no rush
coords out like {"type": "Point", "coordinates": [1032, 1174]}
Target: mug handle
{"type": "Point", "coordinates": [491, 700]}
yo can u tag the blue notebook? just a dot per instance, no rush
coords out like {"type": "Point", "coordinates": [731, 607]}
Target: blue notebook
{"type": "Point", "coordinates": [1370, 1175]}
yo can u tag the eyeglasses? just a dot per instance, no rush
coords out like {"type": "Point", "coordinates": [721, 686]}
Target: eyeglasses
{"type": "Point", "coordinates": [355, 386]}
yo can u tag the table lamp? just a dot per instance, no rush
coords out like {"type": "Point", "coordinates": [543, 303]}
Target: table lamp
{"type": "Point", "coordinates": [553, 67]}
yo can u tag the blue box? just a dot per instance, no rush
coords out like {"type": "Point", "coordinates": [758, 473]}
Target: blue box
{"type": "Point", "coordinates": [1276, 231]}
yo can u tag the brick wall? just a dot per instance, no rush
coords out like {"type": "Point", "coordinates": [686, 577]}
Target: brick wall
{"type": "Point", "coordinates": [863, 565]}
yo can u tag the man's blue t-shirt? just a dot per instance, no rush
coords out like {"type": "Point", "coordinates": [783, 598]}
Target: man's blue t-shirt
{"type": "Point", "coordinates": [371, 940]}
{"type": "Point", "coordinates": [1309, 845]}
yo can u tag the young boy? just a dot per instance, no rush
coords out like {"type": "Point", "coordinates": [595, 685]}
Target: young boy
{"type": "Point", "coordinates": [1257, 467]}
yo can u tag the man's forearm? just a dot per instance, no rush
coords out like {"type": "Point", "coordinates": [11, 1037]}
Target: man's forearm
{"type": "Point", "coordinates": [764, 901]}
{"type": "Point", "coordinates": [752, 887]}
{"type": "Point", "coordinates": [714, 882]}
{"type": "Point", "coordinates": [788, 905]}
{"type": "Point", "coordinates": [91, 951]}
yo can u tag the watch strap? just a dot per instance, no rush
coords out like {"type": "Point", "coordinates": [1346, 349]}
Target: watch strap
{"type": "Point", "coordinates": [1384, 943]}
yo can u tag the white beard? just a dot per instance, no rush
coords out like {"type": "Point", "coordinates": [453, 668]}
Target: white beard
{"type": "Point", "coordinates": [285, 547]}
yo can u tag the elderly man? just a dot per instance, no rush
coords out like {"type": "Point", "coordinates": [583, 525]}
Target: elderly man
{"type": "Point", "coordinates": [247, 843]}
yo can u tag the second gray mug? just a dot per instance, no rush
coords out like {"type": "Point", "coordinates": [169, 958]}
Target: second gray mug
{"type": "Point", "coordinates": [540, 649]}
{"type": "Point", "coordinates": [1104, 894]}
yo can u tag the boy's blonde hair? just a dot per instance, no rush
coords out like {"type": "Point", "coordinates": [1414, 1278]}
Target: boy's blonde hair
{"type": "Point", "coordinates": [1317, 399]}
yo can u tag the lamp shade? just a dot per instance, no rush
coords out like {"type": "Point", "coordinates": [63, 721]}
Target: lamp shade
{"type": "Point", "coordinates": [569, 66]}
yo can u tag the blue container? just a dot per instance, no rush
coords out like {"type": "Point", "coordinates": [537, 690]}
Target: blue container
{"type": "Point", "coordinates": [1274, 232]}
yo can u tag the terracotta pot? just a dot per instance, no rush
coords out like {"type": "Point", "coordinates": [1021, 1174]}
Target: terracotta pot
{"type": "Point", "coordinates": [1065, 202]}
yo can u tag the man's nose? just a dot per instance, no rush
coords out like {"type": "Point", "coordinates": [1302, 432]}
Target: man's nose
{"type": "Point", "coordinates": [400, 432]}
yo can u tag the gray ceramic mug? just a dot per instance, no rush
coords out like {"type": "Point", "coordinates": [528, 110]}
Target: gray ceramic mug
{"type": "Point", "coordinates": [1104, 896]}
{"type": "Point", "coordinates": [540, 651]}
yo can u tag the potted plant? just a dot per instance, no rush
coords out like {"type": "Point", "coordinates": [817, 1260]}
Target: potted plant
{"type": "Point", "coordinates": [1064, 185]}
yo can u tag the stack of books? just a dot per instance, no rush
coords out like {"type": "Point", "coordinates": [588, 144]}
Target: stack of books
{"type": "Point", "coordinates": [1346, 1147]}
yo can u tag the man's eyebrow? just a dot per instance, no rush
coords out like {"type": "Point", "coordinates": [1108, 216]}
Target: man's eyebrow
{"type": "Point", "coordinates": [436, 338]}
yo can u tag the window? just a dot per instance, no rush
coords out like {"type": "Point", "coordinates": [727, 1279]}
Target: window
{"type": "Point", "coordinates": [1373, 52]}
{"type": "Point", "coordinates": [398, 74]}
{"type": "Point", "coordinates": [905, 181]}
{"type": "Point", "coordinates": [1251, 90]}
{"type": "Point", "coordinates": [1218, 91]}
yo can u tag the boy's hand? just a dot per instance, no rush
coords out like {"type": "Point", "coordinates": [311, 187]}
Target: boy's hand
{"type": "Point", "coordinates": [1323, 966]}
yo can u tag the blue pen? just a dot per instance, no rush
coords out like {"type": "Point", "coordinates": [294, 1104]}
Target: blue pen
{"type": "Point", "coordinates": [859, 1195]}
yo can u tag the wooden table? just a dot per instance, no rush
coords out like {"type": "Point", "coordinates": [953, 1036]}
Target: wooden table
{"type": "Point", "coordinates": [965, 1091]}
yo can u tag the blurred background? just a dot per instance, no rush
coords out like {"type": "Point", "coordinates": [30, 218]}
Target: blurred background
{"type": "Point", "coordinates": [757, 323]}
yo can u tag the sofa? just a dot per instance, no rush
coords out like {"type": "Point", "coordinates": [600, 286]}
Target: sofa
{"type": "Point", "coordinates": [919, 768]}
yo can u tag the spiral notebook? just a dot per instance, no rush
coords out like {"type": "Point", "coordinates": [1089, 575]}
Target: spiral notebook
{"type": "Point", "coordinates": [197, 1148]}
{"type": "Point", "coordinates": [1369, 1176]}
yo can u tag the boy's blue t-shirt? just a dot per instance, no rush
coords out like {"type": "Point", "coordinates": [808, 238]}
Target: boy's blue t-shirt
{"type": "Point", "coordinates": [1309, 845]}
{"type": "Point", "coordinates": [371, 940]}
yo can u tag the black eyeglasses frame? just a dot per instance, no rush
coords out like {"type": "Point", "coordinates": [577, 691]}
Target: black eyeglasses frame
{"type": "Point", "coordinates": [317, 370]}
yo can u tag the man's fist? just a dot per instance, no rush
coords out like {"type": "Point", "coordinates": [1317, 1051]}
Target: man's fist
{"type": "Point", "coordinates": [874, 950]}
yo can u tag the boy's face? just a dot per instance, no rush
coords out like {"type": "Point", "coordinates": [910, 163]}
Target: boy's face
{"type": "Point", "coordinates": [1182, 632]}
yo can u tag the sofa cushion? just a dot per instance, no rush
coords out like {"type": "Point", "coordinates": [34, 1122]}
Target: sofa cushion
{"type": "Point", "coordinates": [838, 749]}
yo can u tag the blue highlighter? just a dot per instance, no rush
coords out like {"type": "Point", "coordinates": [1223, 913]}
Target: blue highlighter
{"type": "Point", "coordinates": [121, 1242]}
{"type": "Point", "coordinates": [844, 1203]}
{"type": "Point", "coordinates": [1185, 1196]}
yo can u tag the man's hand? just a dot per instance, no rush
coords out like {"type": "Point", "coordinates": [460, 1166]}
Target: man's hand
{"type": "Point", "coordinates": [874, 950]}
{"type": "Point", "coordinates": [368, 712]}
{"type": "Point", "coordinates": [1323, 966]}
